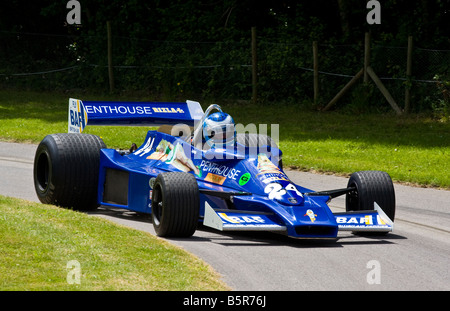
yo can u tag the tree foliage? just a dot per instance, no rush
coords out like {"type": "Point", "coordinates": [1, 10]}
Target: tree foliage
{"type": "Point", "coordinates": [154, 37]}
{"type": "Point", "coordinates": [219, 20]}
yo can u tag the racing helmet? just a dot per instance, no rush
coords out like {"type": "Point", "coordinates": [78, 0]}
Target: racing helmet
{"type": "Point", "coordinates": [219, 130]}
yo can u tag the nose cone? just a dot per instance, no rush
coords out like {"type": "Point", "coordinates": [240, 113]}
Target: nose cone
{"type": "Point", "coordinates": [290, 197]}
{"type": "Point", "coordinates": [284, 192]}
{"type": "Point", "coordinates": [313, 219]}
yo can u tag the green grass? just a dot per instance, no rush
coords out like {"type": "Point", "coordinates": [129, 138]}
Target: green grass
{"type": "Point", "coordinates": [411, 148]}
{"type": "Point", "coordinates": [39, 241]}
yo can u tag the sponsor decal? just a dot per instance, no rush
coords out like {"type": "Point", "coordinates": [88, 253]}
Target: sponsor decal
{"type": "Point", "coordinates": [77, 116]}
{"type": "Point", "coordinates": [265, 165]}
{"type": "Point", "coordinates": [170, 154]}
{"type": "Point", "coordinates": [244, 179]}
{"type": "Point", "coordinates": [217, 179]}
{"type": "Point", "coordinates": [277, 191]}
{"type": "Point", "coordinates": [223, 170]}
{"type": "Point", "coordinates": [368, 220]}
{"type": "Point", "coordinates": [311, 215]}
{"type": "Point", "coordinates": [354, 220]}
{"type": "Point", "coordinates": [242, 219]}
{"type": "Point", "coordinates": [361, 220]}
{"type": "Point", "coordinates": [278, 185]}
{"type": "Point", "coordinates": [146, 148]}
{"type": "Point", "coordinates": [121, 109]}
{"type": "Point", "coordinates": [269, 172]}
{"type": "Point", "coordinates": [168, 110]}
{"type": "Point", "coordinates": [271, 177]}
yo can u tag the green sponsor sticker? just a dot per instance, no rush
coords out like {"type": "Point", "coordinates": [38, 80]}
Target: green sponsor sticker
{"type": "Point", "coordinates": [244, 179]}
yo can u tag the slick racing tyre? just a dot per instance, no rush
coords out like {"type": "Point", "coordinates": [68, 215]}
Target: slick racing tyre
{"type": "Point", "coordinates": [371, 186]}
{"type": "Point", "coordinates": [175, 204]}
{"type": "Point", "coordinates": [66, 170]}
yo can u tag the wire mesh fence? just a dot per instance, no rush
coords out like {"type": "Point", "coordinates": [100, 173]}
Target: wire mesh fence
{"type": "Point", "coordinates": [218, 69]}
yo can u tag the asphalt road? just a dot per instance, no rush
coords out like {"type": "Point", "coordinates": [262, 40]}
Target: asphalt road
{"type": "Point", "coordinates": [415, 256]}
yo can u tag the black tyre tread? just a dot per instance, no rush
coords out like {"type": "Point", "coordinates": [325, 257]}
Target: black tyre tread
{"type": "Point", "coordinates": [75, 162]}
{"type": "Point", "coordinates": [181, 203]}
{"type": "Point", "coordinates": [253, 140]}
{"type": "Point", "coordinates": [372, 186]}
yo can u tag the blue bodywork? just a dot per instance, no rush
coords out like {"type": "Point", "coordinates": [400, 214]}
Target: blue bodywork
{"type": "Point", "coordinates": [240, 189]}
{"type": "Point", "coordinates": [286, 210]}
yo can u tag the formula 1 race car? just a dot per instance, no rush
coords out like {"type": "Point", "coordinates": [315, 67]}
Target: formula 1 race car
{"type": "Point", "coordinates": [195, 169]}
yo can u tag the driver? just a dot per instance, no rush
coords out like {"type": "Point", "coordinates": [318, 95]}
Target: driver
{"type": "Point", "coordinates": [219, 130]}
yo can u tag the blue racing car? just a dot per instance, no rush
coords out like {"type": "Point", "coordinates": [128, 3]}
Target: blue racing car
{"type": "Point", "coordinates": [195, 169]}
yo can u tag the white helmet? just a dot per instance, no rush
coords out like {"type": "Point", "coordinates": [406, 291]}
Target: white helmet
{"type": "Point", "coordinates": [219, 130]}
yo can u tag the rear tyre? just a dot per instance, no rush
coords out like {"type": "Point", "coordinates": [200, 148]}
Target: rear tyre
{"type": "Point", "coordinates": [371, 186]}
{"type": "Point", "coordinates": [66, 170]}
{"type": "Point", "coordinates": [175, 204]}
{"type": "Point", "coordinates": [256, 142]}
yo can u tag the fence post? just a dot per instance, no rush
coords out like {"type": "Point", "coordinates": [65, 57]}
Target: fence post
{"type": "Point", "coordinates": [384, 90]}
{"type": "Point", "coordinates": [344, 89]}
{"type": "Point", "coordinates": [254, 68]}
{"type": "Point", "coordinates": [316, 72]}
{"type": "Point", "coordinates": [110, 69]}
{"type": "Point", "coordinates": [408, 75]}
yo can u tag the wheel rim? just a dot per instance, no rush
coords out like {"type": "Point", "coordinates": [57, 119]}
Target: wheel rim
{"type": "Point", "coordinates": [352, 198]}
{"type": "Point", "coordinates": [157, 206]}
{"type": "Point", "coordinates": [43, 172]}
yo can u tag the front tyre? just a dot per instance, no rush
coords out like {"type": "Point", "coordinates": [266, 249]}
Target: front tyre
{"type": "Point", "coordinates": [66, 170]}
{"type": "Point", "coordinates": [370, 187]}
{"type": "Point", "coordinates": [175, 204]}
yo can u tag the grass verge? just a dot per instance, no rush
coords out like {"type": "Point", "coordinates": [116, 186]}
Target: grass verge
{"type": "Point", "coordinates": [411, 148]}
{"type": "Point", "coordinates": [46, 248]}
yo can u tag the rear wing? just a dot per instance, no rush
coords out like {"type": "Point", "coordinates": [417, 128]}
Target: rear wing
{"type": "Point", "coordinates": [82, 113]}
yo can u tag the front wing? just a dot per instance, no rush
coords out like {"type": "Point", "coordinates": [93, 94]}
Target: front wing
{"type": "Point", "coordinates": [238, 220]}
